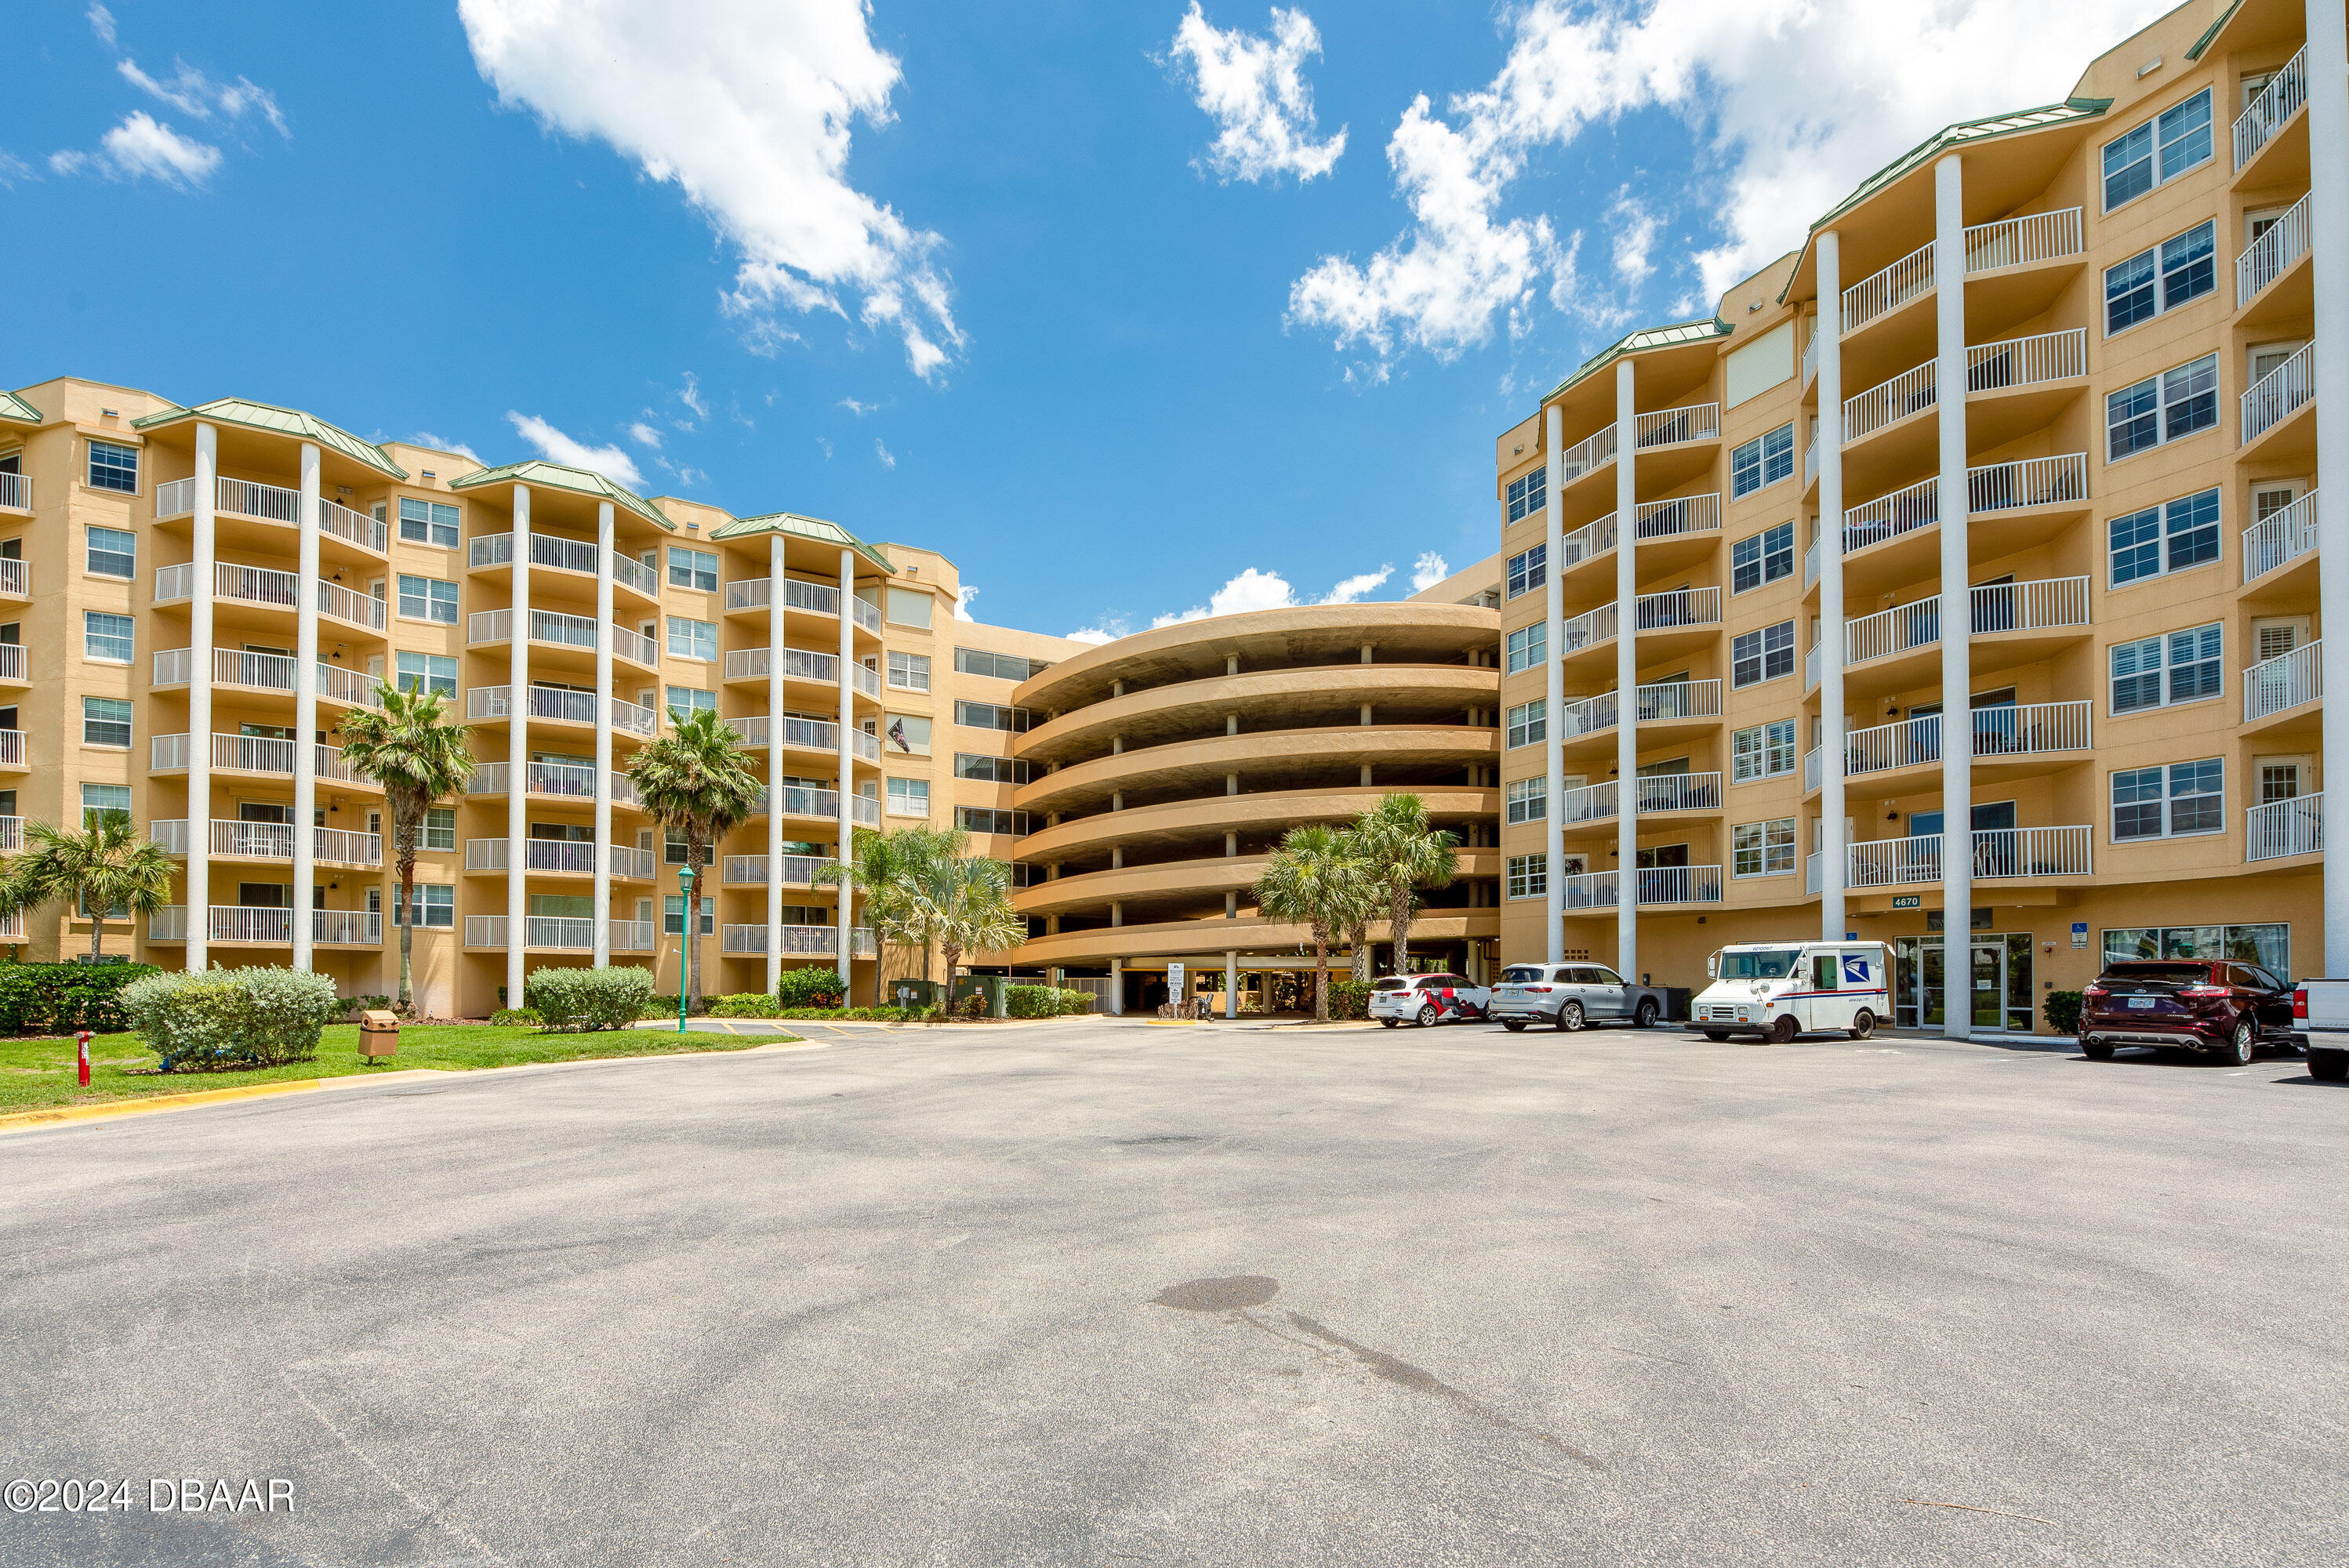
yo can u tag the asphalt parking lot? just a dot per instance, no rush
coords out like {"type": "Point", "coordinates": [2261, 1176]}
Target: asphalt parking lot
{"type": "Point", "coordinates": [1099, 1292]}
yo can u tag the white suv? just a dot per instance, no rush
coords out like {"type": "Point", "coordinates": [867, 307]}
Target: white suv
{"type": "Point", "coordinates": [1427, 999]}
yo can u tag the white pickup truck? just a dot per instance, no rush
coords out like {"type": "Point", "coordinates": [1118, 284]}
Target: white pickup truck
{"type": "Point", "coordinates": [2320, 1028]}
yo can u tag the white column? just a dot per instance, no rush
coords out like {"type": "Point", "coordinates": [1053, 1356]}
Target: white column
{"type": "Point", "coordinates": [305, 707]}
{"type": "Point", "coordinates": [1627, 674]}
{"type": "Point", "coordinates": [845, 915]}
{"type": "Point", "coordinates": [200, 702]}
{"type": "Point", "coordinates": [1231, 985]}
{"type": "Point", "coordinates": [1117, 988]}
{"type": "Point", "coordinates": [1554, 692]}
{"type": "Point", "coordinates": [518, 754]}
{"type": "Point", "coordinates": [1957, 680]}
{"type": "Point", "coordinates": [603, 559]}
{"type": "Point", "coordinates": [775, 567]}
{"type": "Point", "coordinates": [1835, 852]}
{"type": "Point", "coordinates": [2328, 211]}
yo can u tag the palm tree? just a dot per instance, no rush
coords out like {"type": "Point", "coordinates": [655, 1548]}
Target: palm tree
{"type": "Point", "coordinates": [1316, 880]}
{"type": "Point", "coordinates": [105, 867]}
{"type": "Point", "coordinates": [420, 759]}
{"type": "Point", "coordinates": [888, 869]}
{"type": "Point", "coordinates": [1404, 854]}
{"type": "Point", "coordinates": [696, 781]}
{"type": "Point", "coordinates": [970, 902]}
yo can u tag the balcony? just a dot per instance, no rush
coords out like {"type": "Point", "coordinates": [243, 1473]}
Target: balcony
{"type": "Point", "coordinates": [2280, 537]}
{"type": "Point", "coordinates": [2279, 684]}
{"type": "Point", "coordinates": [797, 940]}
{"type": "Point", "coordinates": [254, 754]}
{"type": "Point", "coordinates": [1592, 539]}
{"type": "Point", "coordinates": [269, 589]}
{"type": "Point", "coordinates": [12, 750]}
{"type": "Point", "coordinates": [16, 492]}
{"type": "Point", "coordinates": [233, 923]}
{"type": "Point", "coordinates": [2278, 394]}
{"type": "Point", "coordinates": [2017, 362]}
{"type": "Point", "coordinates": [270, 841]}
{"type": "Point", "coordinates": [2055, 603]}
{"type": "Point", "coordinates": [545, 550]}
{"type": "Point", "coordinates": [2271, 256]}
{"type": "Point", "coordinates": [264, 673]}
{"type": "Point", "coordinates": [15, 576]}
{"type": "Point", "coordinates": [1989, 247]}
{"type": "Point", "coordinates": [799, 664]}
{"type": "Point", "coordinates": [2011, 733]}
{"type": "Point", "coordinates": [1658, 885]}
{"type": "Point", "coordinates": [1662, 703]}
{"type": "Point", "coordinates": [558, 857]}
{"type": "Point", "coordinates": [1999, 854]}
{"type": "Point", "coordinates": [559, 935]}
{"type": "Point", "coordinates": [1679, 515]}
{"type": "Point", "coordinates": [1887, 289]}
{"type": "Point", "coordinates": [2279, 102]}
{"type": "Point", "coordinates": [12, 834]}
{"type": "Point", "coordinates": [559, 704]}
{"type": "Point", "coordinates": [1593, 452]}
{"type": "Point", "coordinates": [1811, 354]}
{"type": "Point", "coordinates": [864, 811]}
{"type": "Point", "coordinates": [1677, 427]}
{"type": "Point", "coordinates": [814, 598]}
{"type": "Point", "coordinates": [550, 628]}
{"type": "Point", "coordinates": [750, 871]}
{"type": "Point", "coordinates": [809, 734]}
{"type": "Point", "coordinates": [550, 781]}
{"type": "Point", "coordinates": [2282, 828]}
{"type": "Point", "coordinates": [272, 503]}
{"type": "Point", "coordinates": [1657, 793]}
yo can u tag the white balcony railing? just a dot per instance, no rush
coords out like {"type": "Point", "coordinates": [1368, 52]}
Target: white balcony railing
{"type": "Point", "coordinates": [1679, 515]}
{"type": "Point", "coordinates": [237, 924]}
{"type": "Point", "coordinates": [555, 781]}
{"type": "Point", "coordinates": [1902, 629]}
{"type": "Point", "coordinates": [1811, 352]}
{"type": "Point", "coordinates": [2278, 393]}
{"type": "Point", "coordinates": [1811, 666]}
{"type": "Point", "coordinates": [1666, 700]}
{"type": "Point", "coordinates": [357, 527]}
{"type": "Point", "coordinates": [1890, 516]}
{"type": "Point", "coordinates": [865, 615]}
{"type": "Point", "coordinates": [16, 575]}
{"type": "Point", "coordinates": [634, 647]}
{"type": "Point", "coordinates": [1587, 630]}
{"type": "Point", "coordinates": [818, 941]}
{"type": "Point", "coordinates": [1888, 290]}
{"type": "Point", "coordinates": [12, 748]}
{"type": "Point", "coordinates": [2012, 730]}
{"type": "Point", "coordinates": [1814, 868]}
{"type": "Point", "coordinates": [1680, 791]}
{"type": "Point", "coordinates": [799, 664]}
{"type": "Point", "coordinates": [558, 703]}
{"type": "Point", "coordinates": [1811, 768]}
{"type": "Point", "coordinates": [1585, 716]}
{"type": "Point", "coordinates": [12, 834]}
{"type": "Point", "coordinates": [1591, 539]}
{"type": "Point", "coordinates": [240, 584]}
{"type": "Point", "coordinates": [340, 603]}
{"type": "Point", "coordinates": [2287, 681]}
{"type": "Point", "coordinates": [1657, 885]}
{"type": "Point", "coordinates": [2267, 258]}
{"type": "Point", "coordinates": [2019, 242]}
{"type": "Point", "coordinates": [1588, 803]}
{"type": "Point", "coordinates": [2283, 97]}
{"type": "Point", "coordinates": [2027, 361]}
{"type": "Point", "coordinates": [1888, 402]}
{"type": "Point", "coordinates": [757, 594]}
{"type": "Point", "coordinates": [17, 490]}
{"type": "Point", "coordinates": [2284, 535]}
{"type": "Point", "coordinates": [336, 684]}
{"type": "Point", "coordinates": [2279, 828]}
{"type": "Point", "coordinates": [341, 847]}
{"type": "Point", "coordinates": [2043, 605]}
{"type": "Point", "coordinates": [252, 754]}
{"type": "Point", "coordinates": [1593, 451]}
{"type": "Point", "coordinates": [264, 671]}
{"type": "Point", "coordinates": [865, 679]}
{"type": "Point", "coordinates": [1999, 854]}
{"type": "Point", "coordinates": [1811, 564]}
{"type": "Point", "coordinates": [637, 575]}
{"type": "Point", "coordinates": [750, 871]}
{"type": "Point", "coordinates": [2031, 482]}
{"type": "Point", "coordinates": [560, 933]}
{"type": "Point", "coordinates": [1675, 426]}
{"type": "Point", "coordinates": [1811, 461]}
{"type": "Point", "coordinates": [1678, 607]}
{"type": "Point", "coordinates": [177, 498]}
{"type": "Point", "coordinates": [347, 927]}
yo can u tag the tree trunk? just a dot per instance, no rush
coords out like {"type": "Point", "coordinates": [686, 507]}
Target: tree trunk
{"type": "Point", "coordinates": [98, 933]}
{"type": "Point", "coordinates": [953, 961]}
{"type": "Point", "coordinates": [404, 913]}
{"type": "Point", "coordinates": [1398, 926]}
{"type": "Point", "coordinates": [1320, 977]}
{"type": "Point", "coordinates": [1360, 937]}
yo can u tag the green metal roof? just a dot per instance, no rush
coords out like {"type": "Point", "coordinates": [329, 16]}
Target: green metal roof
{"type": "Point", "coordinates": [1967, 131]}
{"type": "Point", "coordinates": [1670, 336]}
{"type": "Point", "coordinates": [556, 476]}
{"type": "Point", "coordinates": [2203, 42]}
{"type": "Point", "coordinates": [282, 422]}
{"type": "Point", "coordinates": [15, 408]}
{"type": "Point", "coordinates": [792, 523]}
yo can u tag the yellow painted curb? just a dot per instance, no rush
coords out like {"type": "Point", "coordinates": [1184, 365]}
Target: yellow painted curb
{"type": "Point", "coordinates": [64, 1113]}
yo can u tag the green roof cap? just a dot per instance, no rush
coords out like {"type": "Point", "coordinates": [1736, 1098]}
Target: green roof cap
{"type": "Point", "coordinates": [2203, 42]}
{"type": "Point", "coordinates": [1967, 131]}
{"type": "Point", "coordinates": [1670, 336]}
{"type": "Point", "coordinates": [282, 422]}
{"type": "Point", "coordinates": [15, 408]}
{"type": "Point", "coordinates": [813, 528]}
{"type": "Point", "coordinates": [555, 476]}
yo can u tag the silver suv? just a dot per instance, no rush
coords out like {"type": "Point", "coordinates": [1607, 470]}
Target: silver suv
{"type": "Point", "coordinates": [1569, 996]}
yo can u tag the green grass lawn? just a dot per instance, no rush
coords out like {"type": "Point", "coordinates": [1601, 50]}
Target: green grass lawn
{"type": "Point", "coordinates": [38, 1074]}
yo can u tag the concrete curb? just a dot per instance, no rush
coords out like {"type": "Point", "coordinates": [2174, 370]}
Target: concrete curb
{"type": "Point", "coordinates": [54, 1115]}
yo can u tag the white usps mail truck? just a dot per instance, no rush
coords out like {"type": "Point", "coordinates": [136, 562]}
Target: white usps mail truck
{"type": "Point", "coordinates": [1782, 989]}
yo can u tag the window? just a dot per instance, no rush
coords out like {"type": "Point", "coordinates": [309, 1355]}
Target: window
{"type": "Point", "coordinates": [692, 568]}
{"type": "Point", "coordinates": [102, 801]}
{"type": "Point", "coordinates": [1001, 667]}
{"type": "Point", "coordinates": [428, 523]}
{"type": "Point", "coordinates": [1529, 722]}
{"type": "Point", "coordinates": [105, 721]}
{"type": "Point", "coordinates": [105, 637]}
{"type": "Point", "coordinates": [1764, 460]}
{"type": "Point", "coordinates": [440, 829]}
{"type": "Point", "coordinates": [909, 607]}
{"type": "Point", "coordinates": [1528, 876]}
{"type": "Point", "coordinates": [673, 915]}
{"type": "Point", "coordinates": [1765, 751]}
{"type": "Point", "coordinates": [436, 905]}
{"type": "Point", "coordinates": [909, 672]}
{"type": "Point", "coordinates": [692, 639]}
{"type": "Point", "coordinates": [2158, 151]}
{"type": "Point", "coordinates": [2169, 802]}
{"type": "Point", "coordinates": [2183, 267]}
{"type": "Point", "coordinates": [983, 820]}
{"type": "Point", "coordinates": [112, 554]}
{"type": "Point", "coordinates": [990, 716]}
{"type": "Point", "coordinates": [910, 733]}
{"type": "Point", "coordinates": [1528, 494]}
{"type": "Point", "coordinates": [113, 467]}
{"type": "Point", "coordinates": [428, 599]}
{"type": "Point", "coordinates": [1528, 646]}
{"type": "Point", "coordinates": [2267, 945]}
{"type": "Point", "coordinates": [992, 769]}
{"type": "Point", "coordinates": [1763, 558]}
{"type": "Point", "coordinates": [428, 672]}
{"type": "Point", "coordinates": [2166, 538]}
{"type": "Point", "coordinates": [2161, 672]}
{"type": "Point", "coordinates": [2161, 409]}
{"type": "Point", "coordinates": [909, 796]}
{"type": "Point", "coordinates": [1528, 800]}
{"type": "Point", "coordinates": [1762, 849]}
{"type": "Point", "coordinates": [1762, 655]}
{"type": "Point", "coordinates": [1529, 571]}
{"type": "Point", "coordinates": [687, 700]}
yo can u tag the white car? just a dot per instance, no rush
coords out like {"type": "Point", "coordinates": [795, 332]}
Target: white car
{"type": "Point", "coordinates": [1427, 999]}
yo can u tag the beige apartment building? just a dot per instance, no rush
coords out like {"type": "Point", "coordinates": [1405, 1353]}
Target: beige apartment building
{"type": "Point", "coordinates": [2028, 430]}
{"type": "Point", "coordinates": [191, 598]}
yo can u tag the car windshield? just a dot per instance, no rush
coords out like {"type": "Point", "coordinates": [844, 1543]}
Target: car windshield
{"type": "Point", "coordinates": [1392, 983]}
{"type": "Point", "coordinates": [1758, 963]}
{"type": "Point", "coordinates": [1520, 974]}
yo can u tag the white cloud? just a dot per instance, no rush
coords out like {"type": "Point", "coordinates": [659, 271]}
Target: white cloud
{"type": "Point", "coordinates": [193, 93]}
{"type": "Point", "coordinates": [443, 444]}
{"type": "Point", "coordinates": [1258, 590]}
{"type": "Point", "coordinates": [557, 448]}
{"type": "Point", "coordinates": [963, 596]}
{"type": "Point", "coordinates": [859, 409]}
{"type": "Point", "coordinates": [1094, 635]}
{"type": "Point", "coordinates": [141, 148]}
{"type": "Point", "coordinates": [644, 435]}
{"type": "Point", "coordinates": [749, 109]}
{"type": "Point", "coordinates": [1428, 571]}
{"type": "Point", "coordinates": [690, 396]}
{"type": "Point", "coordinates": [1635, 238]}
{"type": "Point", "coordinates": [826, 444]}
{"type": "Point", "coordinates": [888, 458]}
{"type": "Point", "coordinates": [1790, 103]}
{"type": "Point", "coordinates": [13, 168]}
{"type": "Point", "coordinates": [101, 22]}
{"type": "Point", "coordinates": [1255, 89]}
{"type": "Point", "coordinates": [1352, 588]}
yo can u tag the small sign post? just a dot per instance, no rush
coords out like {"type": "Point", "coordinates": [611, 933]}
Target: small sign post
{"type": "Point", "coordinates": [81, 1040]}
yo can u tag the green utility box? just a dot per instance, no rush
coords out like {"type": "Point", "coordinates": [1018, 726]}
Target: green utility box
{"type": "Point", "coordinates": [920, 995]}
{"type": "Point", "coordinates": [991, 986]}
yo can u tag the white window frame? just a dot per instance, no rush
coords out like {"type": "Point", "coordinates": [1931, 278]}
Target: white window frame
{"type": "Point", "coordinates": [1762, 458]}
{"type": "Point", "coordinates": [909, 796]}
{"type": "Point", "coordinates": [2166, 777]}
{"type": "Point", "coordinates": [1767, 554]}
{"type": "Point", "coordinates": [2166, 517]}
{"type": "Point", "coordinates": [700, 639]}
{"type": "Point", "coordinates": [2159, 256]}
{"type": "Point", "coordinates": [438, 832]}
{"type": "Point", "coordinates": [1528, 646]}
{"type": "Point", "coordinates": [1771, 844]}
{"type": "Point", "coordinates": [909, 672]}
{"type": "Point", "coordinates": [1528, 570]}
{"type": "Point", "coordinates": [97, 642]}
{"type": "Point", "coordinates": [696, 699]}
{"type": "Point", "coordinates": [1761, 637]}
{"type": "Point", "coordinates": [430, 676]}
{"type": "Point", "coordinates": [1529, 723]}
{"type": "Point", "coordinates": [2167, 398]}
{"type": "Point", "coordinates": [431, 527]}
{"type": "Point", "coordinates": [130, 455]}
{"type": "Point", "coordinates": [91, 551]}
{"type": "Point", "coordinates": [2165, 641]}
{"type": "Point", "coordinates": [1527, 876]}
{"type": "Point", "coordinates": [696, 564]}
{"type": "Point", "coordinates": [1527, 799]}
{"type": "Point", "coordinates": [1764, 750]}
{"type": "Point", "coordinates": [1528, 493]}
{"type": "Point", "coordinates": [109, 718]}
{"type": "Point", "coordinates": [2156, 150]}
{"type": "Point", "coordinates": [425, 601]}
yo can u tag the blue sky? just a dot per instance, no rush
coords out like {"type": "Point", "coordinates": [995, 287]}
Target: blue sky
{"type": "Point", "coordinates": [1093, 298]}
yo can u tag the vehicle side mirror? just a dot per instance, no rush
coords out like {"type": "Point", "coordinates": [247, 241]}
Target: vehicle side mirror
{"type": "Point", "coordinates": [1712, 967]}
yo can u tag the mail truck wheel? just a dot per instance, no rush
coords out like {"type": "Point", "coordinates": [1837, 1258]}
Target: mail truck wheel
{"type": "Point", "coordinates": [1863, 1023]}
{"type": "Point", "coordinates": [1783, 1029]}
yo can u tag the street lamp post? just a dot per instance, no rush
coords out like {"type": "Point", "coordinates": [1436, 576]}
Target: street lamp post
{"type": "Point", "coordinates": [692, 933]}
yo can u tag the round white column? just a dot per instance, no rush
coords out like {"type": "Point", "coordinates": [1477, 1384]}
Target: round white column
{"type": "Point", "coordinates": [200, 675]}
{"type": "Point", "coordinates": [1834, 852]}
{"type": "Point", "coordinates": [775, 570]}
{"type": "Point", "coordinates": [603, 632]}
{"type": "Point", "coordinates": [845, 915]}
{"type": "Point", "coordinates": [2328, 218]}
{"type": "Point", "coordinates": [305, 710]}
{"type": "Point", "coordinates": [518, 757]}
{"type": "Point", "coordinates": [1957, 682]}
{"type": "Point", "coordinates": [1626, 672]}
{"type": "Point", "coordinates": [1554, 698]}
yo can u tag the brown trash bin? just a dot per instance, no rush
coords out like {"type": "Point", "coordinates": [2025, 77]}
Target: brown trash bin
{"type": "Point", "coordinates": [378, 1033]}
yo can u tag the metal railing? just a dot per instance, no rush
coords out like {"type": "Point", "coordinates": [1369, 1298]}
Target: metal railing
{"type": "Point", "coordinates": [2043, 605]}
{"type": "Point", "coordinates": [17, 490]}
{"type": "Point", "coordinates": [1590, 627]}
{"type": "Point", "coordinates": [1811, 666]}
{"type": "Point", "coordinates": [2266, 259]}
{"type": "Point", "coordinates": [12, 662]}
{"type": "Point", "coordinates": [2282, 97]}
{"type": "Point", "coordinates": [1811, 564]}
{"type": "Point", "coordinates": [12, 834]}
{"type": "Point", "coordinates": [174, 498]}
{"type": "Point", "coordinates": [1811, 762]}
{"type": "Point", "coordinates": [559, 780]}
{"type": "Point", "coordinates": [1585, 715]}
{"type": "Point", "coordinates": [355, 609]}
{"type": "Point", "coordinates": [1888, 402]}
{"type": "Point", "coordinates": [1902, 629]}
{"type": "Point", "coordinates": [634, 647]}
{"type": "Point", "coordinates": [1811, 354]}
{"type": "Point", "coordinates": [1588, 803]}
{"type": "Point", "coordinates": [2012, 730]}
{"type": "Point", "coordinates": [243, 585]}
{"type": "Point", "coordinates": [1673, 427]}
{"type": "Point", "coordinates": [2286, 681]}
{"type": "Point", "coordinates": [1890, 516]}
{"type": "Point", "coordinates": [1811, 461]}
{"type": "Point", "coordinates": [1999, 854]}
{"type": "Point", "coordinates": [1657, 885]}
{"type": "Point", "coordinates": [1680, 791]}
{"type": "Point", "coordinates": [16, 575]}
{"type": "Point", "coordinates": [750, 871]}
{"type": "Point", "coordinates": [637, 575]}
{"type": "Point", "coordinates": [2279, 828]}
{"type": "Point", "coordinates": [1814, 871]}
{"type": "Point", "coordinates": [865, 615]}
{"type": "Point", "coordinates": [2278, 393]}
{"type": "Point", "coordinates": [757, 594]}
{"type": "Point", "coordinates": [1678, 607]}
{"type": "Point", "coordinates": [342, 847]}
{"type": "Point", "coordinates": [1591, 539]}
{"type": "Point", "coordinates": [357, 527]}
{"type": "Point", "coordinates": [1889, 289]}
{"type": "Point", "coordinates": [12, 748]}
{"type": "Point", "coordinates": [237, 924]}
{"type": "Point", "coordinates": [2027, 361]}
{"type": "Point", "coordinates": [347, 927]}
{"type": "Point", "coordinates": [799, 664]}
{"type": "Point", "coordinates": [563, 933]}
{"type": "Point", "coordinates": [276, 504]}
{"type": "Point", "coordinates": [2285, 534]}
{"type": "Point", "coordinates": [821, 941]}
{"type": "Point", "coordinates": [545, 550]}
{"type": "Point", "coordinates": [1593, 451]}
{"type": "Point", "coordinates": [1678, 699]}
{"type": "Point", "coordinates": [1679, 515]}
{"type": "Point", "coordinates": [336, 684]}
{"type": "Point", "coordinates": [2028, 482]}
{"type": "Point", "coordinates": [2019, 242]}
{"type": "Point", "coordinates": [558, 703]}
{"type": "Point", "coordinates": [865, 679]}
{"type": "Point", "coordinates": [558, 855]}
{"type": "Point", "coordinates": [545, 626]}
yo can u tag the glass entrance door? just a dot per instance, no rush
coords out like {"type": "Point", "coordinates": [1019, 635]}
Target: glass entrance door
{"type": "Point", "coordinates": [1990, 986]}
{"type": "Point", "coordinates": [1998, 981]}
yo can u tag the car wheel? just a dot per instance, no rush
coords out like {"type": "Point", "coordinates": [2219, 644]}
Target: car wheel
{"type": "Point", "coordinates": [1644, 1016]}
{"type": "Point", "coordinates": [1569, 1016]}
{"type": "Point", "coordinates": [1863, 1023]}
{"type": "Point", "coordinates": [1427, 1015]}
{"type": "Point", "coordinates": [1783, 1029]}
{"type": "Point", "coordinates": [2243, 1043]}
{"type": "Point", "coordinates": [1716, 1035]}
{"type": "Point", "coordinates": [2329, 1066]}
{"type": "Point", "coordinates": [2094, 1050]}
{"type": "Point", "coordinates": [1390, 1023]}
{"type": "Point", "coordinates": [1515, 1026]}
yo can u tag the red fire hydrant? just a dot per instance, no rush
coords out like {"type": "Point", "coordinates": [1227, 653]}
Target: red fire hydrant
{"type": "Point", "coordinates": [82, 1039]}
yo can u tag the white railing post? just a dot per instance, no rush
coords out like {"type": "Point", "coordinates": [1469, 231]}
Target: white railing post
{"type": "Point", "coordinates": [1957, 761]}
{"type": "Point", "coordinates": [1627, 668]}
{"type": "Point", "coordinates": [776, 566]}
{"type": "Point", "coordinates": [1830, 647]}
{"type": "Point", "coordinates": [1553, 943]}
{"type": "Point", "coordinates": [517, 755]}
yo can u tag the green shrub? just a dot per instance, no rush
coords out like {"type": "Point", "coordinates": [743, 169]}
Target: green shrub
{"type": "Point", "coordinates": [747, 1004]}
{"type": "Point", "coordinates": [58, 998]}
{"type": "Point", "coordinates": [352, 1007]}
{"type": "Point", "coordinates": [973, 1005]}
{"type": "Point", "coordinates": [514, 1017]}
{"type": "Point", "coordinates": [1072, 1001]}
{"type": "Point", "coordinates": [1031, 1002]}
{"type": "Point", "coordinates": [2062, 1010]}
{"type": "Point", "coordinates": [231, 1017]}
{"type": "Point", "coordinates": [810, 987]}
{"type": "Point", "coordinates": [578, 1000]}
{"type": "Point", "coordinates": [1349, 998]}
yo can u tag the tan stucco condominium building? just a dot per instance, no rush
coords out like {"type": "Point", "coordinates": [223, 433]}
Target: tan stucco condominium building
{"type": "Point", "coordinates": [2028, 431]}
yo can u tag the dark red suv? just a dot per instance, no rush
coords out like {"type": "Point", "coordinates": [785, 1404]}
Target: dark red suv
{"type": "Point", "coordinates": [2226, 1008]}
